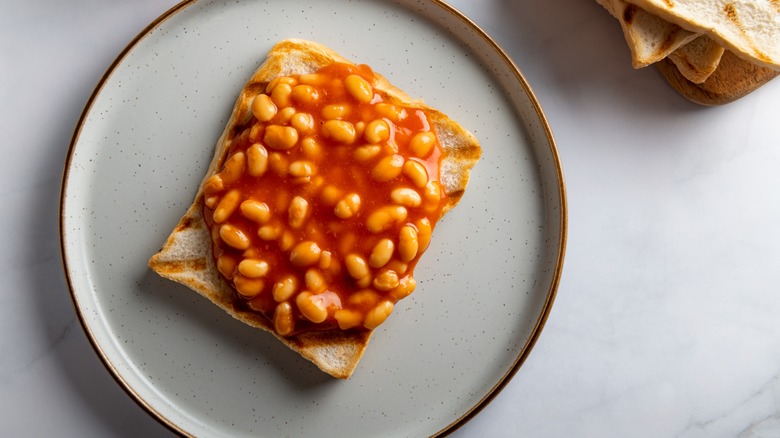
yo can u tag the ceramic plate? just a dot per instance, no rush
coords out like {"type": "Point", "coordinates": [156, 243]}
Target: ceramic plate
{"type": "Point", "coordinates": [485, 286]}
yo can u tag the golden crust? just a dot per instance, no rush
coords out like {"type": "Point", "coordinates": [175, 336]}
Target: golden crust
{"type": "Point", "coordinates": [186, 255]}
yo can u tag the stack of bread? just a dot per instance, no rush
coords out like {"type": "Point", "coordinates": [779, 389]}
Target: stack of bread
{"type": "Point", "coordinates": [710, 51]}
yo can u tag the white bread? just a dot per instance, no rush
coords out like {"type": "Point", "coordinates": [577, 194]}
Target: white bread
{"type": "Point", "coordinates": [748, 28]}
{"type": "Point", "coordinates": [687, 40]}
{"type": "Point", "coordinates": [186, 256]}
{"type": "Point", "coordinates": [649, 38]}
{"type": "Point", "coordinates": [734, 78]}
{"type": "Point", "coordinates": [698, 59]}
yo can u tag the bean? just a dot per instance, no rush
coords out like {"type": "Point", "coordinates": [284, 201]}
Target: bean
{"type": "Point", "coordinates": [226, 265]}
{"type": "Point", "coordinates": [432, 194]}
{"type": "Point", "coordinates": [359, 88]}
{"type": "Point", "coordinates": [255, 211]}
{"type": "Point", "coordinates": [406, 197]}
{"type": "Point", "coordinates": [305, 254]}
{"type": "Point", "coordinates": [298, 211]}
{"type": "Point", "coordinates": [226, 206]}
{"type": "Point", "coordinates": [311, 308]}
{"type": "Point", "coordinates": [405, 287]}
{"type": "Point", "coordinates": [377, 131]}
{"type": "Point", "coordinates": [356, 266]}
{"type": "Point", "coordinates": [378, 315]}
{"type": "Point", "coordinates": [270, 232]}
{"type": "Point", "coordinates": [386, 281]}
{"type": "Point", "coordinates": [280, 80]}
{"type": "Point", "coordinates": [284, 288]}
{"type": "Point", "coordinates": [363, 298]}
{"type": "Point", "coordinates": [234, 237]}
{"type": "Point", "coordinates": [248, 287]}
{"type": "Point", "coordinates": [367, 152]}
{"type": "Point", "coordinates": [281, 95]}
{"type": "Point", "coordinates": [381, 253]}
{"type": "Point", "coordinates": [347, 206]}
{"type": "Point", "coordinates": [422, 143]}
{"type": "Point", "coordinates": [408, 243]}
{"type": "Point", "coordinates": [301, 169]}
{"type": "Point", "coordinates": [334, 111]}
{"type": "Point", "coordinates": [253, 268]}
{"type": "Point", "coordinates": [384, 218]}
{"type": "Point", "coordinates": [314, 280]}
{"type": "Point", "coordinates": [339, 130]}
{"type": "Point", "coordinates": [303, 122]}
{"type": "Point", "coordinates": [424, 230]}
{"type": "Point", "coordinates": [416, 172]}
{"type": "Point", "coordinates": [286, 240]}
{"type": "Point", "coordinates": [283, 319]}
{"type": "Point", "coordinates": [388, 168]}
{"type": "Point", "coordinates": [263, 108]}
{"type": "Point", "coordinates": [305, 94]}
{"type": "Point", "coordinates": [390, 111]}
{"type": "Point", "coordinates": [257, 160]}
{"type": "Point", "coordinates": [234, 168]}
{"type": "Point", "coordinates": [280, 138]}
{"type": "Point", "coordinates": [348, 319]}
{"type": "Point", "coordinates": [311, 148]}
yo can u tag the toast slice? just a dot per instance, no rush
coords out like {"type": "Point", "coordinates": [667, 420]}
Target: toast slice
{"type": "Point", "coordinates": [748, 29]}
{"type": "Point", "coordinates": [710, 54]}
{"type": "Point", "coordinates": [698, 59]}
{"type": "Point", "coordinates": [734, 78]}
{"type": "Point", "coordinates": [187, 255]}
{"type": "Point", "coordinates": [649, 38]}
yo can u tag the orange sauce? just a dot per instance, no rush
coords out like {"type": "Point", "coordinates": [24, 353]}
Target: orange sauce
{"type": "Point", "coordinates": [335, 167]}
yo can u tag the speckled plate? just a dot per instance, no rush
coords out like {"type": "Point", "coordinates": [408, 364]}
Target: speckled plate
{"type": "Point", "coordinates": [486, 285]}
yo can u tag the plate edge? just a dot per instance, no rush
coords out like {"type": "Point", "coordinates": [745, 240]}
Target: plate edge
{"type": "Point", "coordinates": [170, 425]}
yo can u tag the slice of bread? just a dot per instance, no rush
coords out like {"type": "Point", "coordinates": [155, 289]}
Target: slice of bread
{"type": "Point", "coordinates": [710, 54]}
{"type": "Point", "coordinates": [734, 78]}
{"type": "Point", "coordinates": [698, 59]}
{"type": "Point", "coordinates": [186, 256]}
{"type": "Point", "coordinates": [748, 28]}
{"type": "Point", "coordinates": [649, 38]}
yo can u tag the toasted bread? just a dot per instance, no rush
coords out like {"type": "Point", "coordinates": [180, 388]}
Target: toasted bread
{"type": "Point", "coordinates": [649, 38]}
{"type": "Point", "coordinates": [734, 78]}
{"type": "Point", "coordinates": [186, 257]}
{"type": "Point", "coordinates": [710, 54]}
{"type": "Point", "coordinates": [698, 59]}
{"type": "Point", "coordinates": [748, 29]}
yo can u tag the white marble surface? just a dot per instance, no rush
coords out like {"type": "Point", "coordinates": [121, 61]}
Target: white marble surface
{"type": "Point", "coordinates": [665, 323]}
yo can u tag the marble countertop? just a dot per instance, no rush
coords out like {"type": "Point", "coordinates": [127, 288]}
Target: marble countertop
{"type": "Point", "coordinates": [665, 322]}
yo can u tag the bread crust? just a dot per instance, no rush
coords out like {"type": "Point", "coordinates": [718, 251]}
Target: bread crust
{"type": "Point", "coordinates": [186, 256]}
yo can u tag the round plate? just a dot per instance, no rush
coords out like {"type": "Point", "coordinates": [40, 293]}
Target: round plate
{"type": "Point", "coordinates": [485, 285]}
